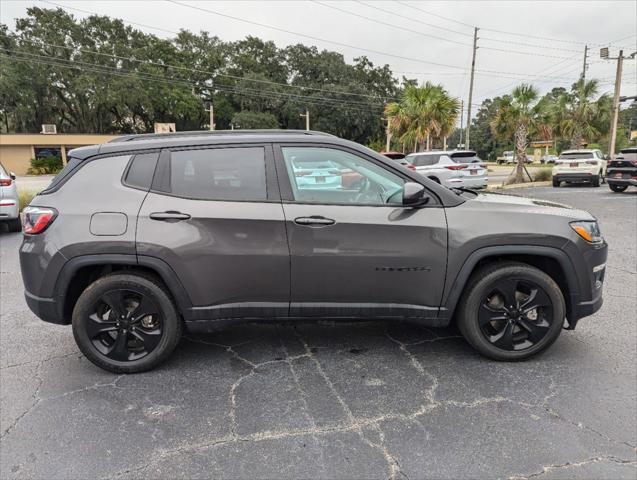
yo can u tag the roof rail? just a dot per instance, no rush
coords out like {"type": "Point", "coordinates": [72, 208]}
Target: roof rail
{"type": "Point", "coordinates": [203, 133]}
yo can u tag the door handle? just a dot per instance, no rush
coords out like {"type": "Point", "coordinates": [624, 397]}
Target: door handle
{"type": "Point", "coordinates": [314, 220]}
{"type": "Point", "coordinates": [169, 216]}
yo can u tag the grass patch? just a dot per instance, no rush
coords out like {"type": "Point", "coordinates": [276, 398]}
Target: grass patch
{"type": "Point", "coordinates": [543, 175]}
{"type": "Point", "coordinates": [25, 197]}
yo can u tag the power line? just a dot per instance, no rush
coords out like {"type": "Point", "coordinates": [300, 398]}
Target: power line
{"type": "Point", "coordinates": [437, 15]}
{"type": "Point", "coordinates": [74, 64]}
{"type": "Point", "coordinates": [420, 22]}
{"type": "Point", "coordinates": [380, 22]}
{"type": "Point", "coordinates": [354, 47]}
{"type": "Point", "coordinates": [194, 70]}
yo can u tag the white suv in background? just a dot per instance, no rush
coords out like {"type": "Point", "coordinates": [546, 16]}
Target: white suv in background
{"type": "Point", "coordinates": [455, 168]}
{"type": "Point", "coordinates": [9, 203]}
{"type": "Point", "coordinates": [585, 165]}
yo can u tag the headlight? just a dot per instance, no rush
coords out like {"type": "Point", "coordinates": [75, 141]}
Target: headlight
{"type": "Point", "coordinates": [589, 231]}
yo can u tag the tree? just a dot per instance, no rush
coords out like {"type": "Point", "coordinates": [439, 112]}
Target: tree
{"type": "Point", "coordinates": [423, 114]}
{"type": "Point", "coordinates": [517, 116]}
{"type": "Point", "coordinates": [578, 116]}
{"type": "Point", "coordinates": [248, 119]}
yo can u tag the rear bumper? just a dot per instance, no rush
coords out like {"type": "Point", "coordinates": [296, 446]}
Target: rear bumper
{"type": "Point", "coordinates": [622, 181]}
{"type": "Point", "coordinates": [45, 308]}
{"type": "Point", "coordinates": [574, 177]}
{"type": "Point", "coordinates": [9, 209]}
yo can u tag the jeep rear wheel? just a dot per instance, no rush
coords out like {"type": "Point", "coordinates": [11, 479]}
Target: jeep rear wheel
{"type": "Point", "coordinates": [556, 183]}
{"type": "Point", "coordinates": [595, 180]}
{"type": "Point", "coordinates": [126, 323]}
{"type": "Point", "coordinates": [511, 311]}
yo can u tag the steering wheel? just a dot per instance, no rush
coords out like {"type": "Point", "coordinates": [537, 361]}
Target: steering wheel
{"type": "Point", "coordinates": [367, 193]}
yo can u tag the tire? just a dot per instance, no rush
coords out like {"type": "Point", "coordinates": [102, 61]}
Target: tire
{"type": "Point", "coordinates": [556, 183]}
{"type": "Point", "coordinates": [595, 181]}
{"type": "Point", "coordinates": [14, 225]}
{"type": "Point", "coordinates": [617, 188]}
{"type": "Point", "coordinates": [149, 331]}
{"type": "Point", "coordinates": [486, 338]}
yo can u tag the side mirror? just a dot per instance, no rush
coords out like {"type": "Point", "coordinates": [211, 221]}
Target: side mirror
{"type": "Point", "coordinates": [12, 175]}
{"type": "Point", "coordinates": [414, 195]}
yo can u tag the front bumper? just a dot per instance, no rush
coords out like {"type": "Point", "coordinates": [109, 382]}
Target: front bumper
{"type": "Point", "coordinates": [591, 272]}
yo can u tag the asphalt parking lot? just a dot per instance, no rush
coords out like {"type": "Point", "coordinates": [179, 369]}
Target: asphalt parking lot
{"type": "Point", "coordinates": [332, 400]}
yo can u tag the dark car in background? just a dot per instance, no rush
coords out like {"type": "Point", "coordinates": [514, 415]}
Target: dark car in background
{"type": "Point", "coordinates": [622, 171]}
{"type": "Point", "coordinates": [142, 237]}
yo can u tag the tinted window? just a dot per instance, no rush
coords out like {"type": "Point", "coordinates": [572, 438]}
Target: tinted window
{"type": "Point", "coordinates": [140, 172]}
{"type": "Point", "coordinates": [219, 174]}
{"type": "Point", "coordinates": [339, 177]}
{"type": "Point", "coordinates": [465, 157]}
{"type": "Point", "coordinates": [64, 173]}
{"type": "Point", "coordinates": [424, 160]}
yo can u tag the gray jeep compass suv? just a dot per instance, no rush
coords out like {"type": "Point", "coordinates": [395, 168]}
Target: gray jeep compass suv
{"type": "Point", "coordinates": [147, 235]}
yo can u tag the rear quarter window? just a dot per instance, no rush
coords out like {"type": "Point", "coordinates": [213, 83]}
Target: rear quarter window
{"type": "Point", "coordinates": [219, 174]}
{"type": "Point", "coordinates": [140, 171]}
{"type": "Point", "coordinates": [71, 165]}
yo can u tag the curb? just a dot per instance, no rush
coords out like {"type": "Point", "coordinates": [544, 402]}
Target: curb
{"type": "Point", "coordinates": [519, 185]}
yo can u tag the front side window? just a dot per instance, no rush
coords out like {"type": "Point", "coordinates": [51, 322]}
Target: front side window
{"type": "Point", "coordinates": [331, 176]}
{"type": "Point", "coordinates": [219, 174]}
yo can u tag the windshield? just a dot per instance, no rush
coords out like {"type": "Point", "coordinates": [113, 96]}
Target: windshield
{"type": "Point", "coordinates": [576, 155]}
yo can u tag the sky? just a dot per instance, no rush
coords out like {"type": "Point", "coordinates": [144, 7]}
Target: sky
{"type": "Point", "coordinates": [518, 41]}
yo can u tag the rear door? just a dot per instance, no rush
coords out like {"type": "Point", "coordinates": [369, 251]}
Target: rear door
{"type": "Point", "coordinates": [355, 251]}
{"type": "Point", "coordinates": [214, 215]}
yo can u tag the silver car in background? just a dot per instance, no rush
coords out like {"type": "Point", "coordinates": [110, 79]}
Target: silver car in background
{"type": "Point", "coordinates": [9, 203]}
{"type": "Point", "coordinates": [454, 168]}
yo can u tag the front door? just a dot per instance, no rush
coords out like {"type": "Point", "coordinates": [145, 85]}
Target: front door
{"type": "Point", "coordinates": [214, 215]}
{"type": "Point", "coordinates": [355, 250]}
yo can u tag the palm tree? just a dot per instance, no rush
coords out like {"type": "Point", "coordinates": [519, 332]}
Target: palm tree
{"type": "Point", "coordinates": [578, 116]}
{"type": "Point", "coordinates": [519, 115]}
{"type": "Point", "coordinates": [422, 114]}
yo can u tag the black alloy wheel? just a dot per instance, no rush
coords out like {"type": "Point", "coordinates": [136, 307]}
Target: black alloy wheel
{"type": "Point", "coordinates": [511, 311]}
{"type": "Point", "coordinates": [516, 314]}
{"type": "Point", "coordinates": [125, 325]}
{"type": "Point", "coordinates": [126, 322]}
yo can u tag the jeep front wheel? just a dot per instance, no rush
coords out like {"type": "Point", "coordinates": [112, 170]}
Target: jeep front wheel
{"type": "Point", "coordinates": [126, 323]}
{"type": "Point", "coordinates": [511, 311]}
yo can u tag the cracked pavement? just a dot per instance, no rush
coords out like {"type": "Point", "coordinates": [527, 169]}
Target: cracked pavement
{"type": "Point", "coordinates": [330, 399]}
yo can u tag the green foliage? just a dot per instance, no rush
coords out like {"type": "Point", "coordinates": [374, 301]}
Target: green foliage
{"type": "Point", "coordinates": [543, 175]}
{"type": "Point", "coordinates": [25, 197]}
{"type": "Point", "coordinates": [423, 115]}
{"type": "Point", "coordinates": [108, 77]}
{"type": "Point", "coordinates": [45, 165]}
{"type": "Point", "coordinates": [254, 120]}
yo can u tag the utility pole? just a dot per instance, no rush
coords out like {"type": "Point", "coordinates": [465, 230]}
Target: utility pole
{"type": "Point", "coordinates": [307, 118]}
{"type": "Point", "coordinates": [211, 110]}
{"type": "Point", "coordinates": [618, 81]}
{"type": "Point", "coordinates": [461, 122]}
{"type": "Point", "coordinates": [585, 65]}
{"type": "Point", "coordinates": [473, 68]}
{"type": "Point", "coordinates": [388, 134]}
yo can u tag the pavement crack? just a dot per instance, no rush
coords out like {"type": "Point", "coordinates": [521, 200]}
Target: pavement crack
{"type": "Point", "coordinates": [36, 401]}
{"type": "Point", "coordinates": [549, 468]}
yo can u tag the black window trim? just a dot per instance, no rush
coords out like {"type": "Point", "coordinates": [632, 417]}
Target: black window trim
{"type": "Point", "coordinates": [285, 186]}
{"type": "Point", "coordinates": [161, 179]}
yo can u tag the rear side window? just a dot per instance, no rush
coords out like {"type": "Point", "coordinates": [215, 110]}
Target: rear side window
{"type": "Point", "coordinates": [141, 170]}
{"type": "Point", "coordinates": [425, 160]}
{"type": "Point", "coordinates": [219, 174]}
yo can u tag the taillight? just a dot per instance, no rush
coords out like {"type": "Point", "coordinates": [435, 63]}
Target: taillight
{"type": "Point", "coordinates": [334, 172]}
{"type": "Point", "coordinates": [37, 219]}
{"type": "Point", "coordinates": [411, 166]}
{"type": "Point", "coordinates": [483, 165]}
{"type": "Point", "coordinates": [5, 182]}
{"type": "Point", "coordinates": [456, 167]}
{"type": "Point", "coordinates": [591, 162]}
{"type": "Point", "coordinates": [634, 162]}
